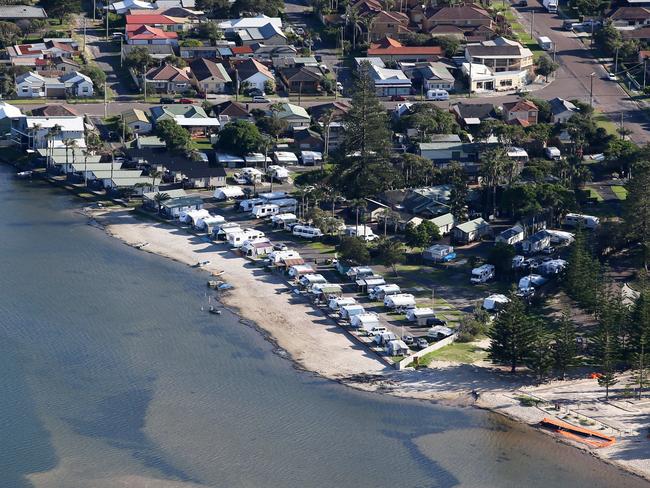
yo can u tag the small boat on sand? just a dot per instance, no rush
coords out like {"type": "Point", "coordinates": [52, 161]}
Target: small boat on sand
{"type": "Point", "coordinates": [202, 263]}
{"type": "Point", "coordinates": [24, 174]}
{"type": "Point", "coordinates": [214, 311]}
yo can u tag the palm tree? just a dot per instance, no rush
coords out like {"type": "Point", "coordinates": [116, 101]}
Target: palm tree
{"type": "Point", "coordinates": [326, 120]}
{"type": "Point", "coordinates": [159, 198]}
{"type": "Point", "coordinates": [155, 174]}
{"type": "Point", "coordinates": [358, 204]}
{"type": "Point", "coordinates": [492, 169]}
{"type": "Point", "coordinates": [86, 153]}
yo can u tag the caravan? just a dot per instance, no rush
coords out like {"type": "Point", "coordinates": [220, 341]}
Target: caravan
{"type": "Point", "coordinates": [346, 312]}
{"type": "Point", "coordinates": [401, 300]}
{"type": "Point", "coordinates": [482, 274]}
{"type": "Point", "coordinates": [309, 280]}
{"type": "Point", "coordinates": [382, 291]}
{"type": "Point", "coordinates": [237, 238]}
{"type": "Point", "coordinates": [586, 221]}
{"type": "Point", "coordinates": [362, 231]}
{"type": "Point", "coordinates": [265, 210]}
{"type": "Point", "coordinates": [207, 223]}
{"type": "Point", "coordinates": [495, 302]}
{"type": "Point", "coordinates": [420, 315]}
{"type": "Point", "coordinates": [282, 220]}
{"type": "Point", "coordinates": [297, 270]}
{"type": "Point", "coordinates": [248, 204]}
{"type": "Point", "coordinates": [364, 321]}
{"type": "Point", "coordinates": [220, 231]}
{"type": "Point", "coordinates": [357, 272]}
{"type": "Point", "coordinates": [338, 302]}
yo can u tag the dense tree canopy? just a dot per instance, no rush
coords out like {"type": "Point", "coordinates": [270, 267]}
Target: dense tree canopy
{"type": "Point", "coordinates": [240, 137]}
{"type": "Point", "coordinates": [176, 138]}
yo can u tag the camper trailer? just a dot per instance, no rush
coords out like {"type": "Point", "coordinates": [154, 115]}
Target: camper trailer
{"type": "Point", "coordinates": [207, 223]}
{"type": "Point", "coordinates": [265, 210]}
{"type": "Point", "coordinates": [338, 302]}
{"type": "Point", "coordinates": [298, 270]}
{"type": "Point", "coordinates": [309, 280]}
{"type": "Point", "coordinates": [362, 231]}
{"type": "Point", "coordinates": [257, 247]}
{"type": "Point", "coordinates": [281, 220]}
{"type": "Point", "coordinates": [306, 232]}
{"type": "Point", "coordinates": [369, 282]}
{"type": "Point", "coordinates": [401, 300]}
{"type": "Point", "coordinates": [482, 274]}
{"type": "Point", "coordinates": [439, 332]}
{"type": "Point", "coordinates": [364, 321]}
{"type": "Point", "coordinates": [190, 216]}
{"type": "Point", "coordinates": [248, 204]}
{"type": "Point", "coordinates": [382, 291]}
{"type": "Point", "coordinates": [384, 338]}
{"type": "Point", "coordinates": [358, 272]}
{"type": "Point", "coordinates": [220, 231]}
{"type": "Point", "coordinates": [587, 221]}
{"type": "Point", "coordinates": [346, 312]}
{"type": "Point", "coordinates": [531, 281]}
{"type": "Point", "coordinates": [272, 196]}
{"type": "Point", "coordinates": [236, 239]}
{"type": "Point", "coordinates": [276, 257]}
{"type": "Point", "coordinates": [420, 315]}
{"type": "Point", "coordinates": [495, 302]}
{"type": "Point", "coordinates": [397, 348]}
{"type": "Point", "coordinates": [277, 173]}
{"type": "Point", "coordinates": [228, 192]}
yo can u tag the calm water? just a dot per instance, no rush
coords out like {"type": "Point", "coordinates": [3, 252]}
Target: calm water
{"type": "Point", "coordinates": [109, 369]}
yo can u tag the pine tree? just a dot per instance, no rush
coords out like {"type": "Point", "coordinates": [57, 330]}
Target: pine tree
{"type": "Point", "coordinates": [365, 166]}
{"type": "Point", "coordinates": [539, 354]}
{"type": "Point", "coordinates": [510, 336]}
{"type": "Point", "coordinates": [607, 346]}
{"type": "Point", "coordinates": [583, 275]}
{"type": "Point", "coordinates": [637, 208]}
{"type": "Point", "coordinates": [566, 351]}
{"type": "Point", "coordinates": [639, 330]}
{"type": "Point", "coordinates": [610, 313]}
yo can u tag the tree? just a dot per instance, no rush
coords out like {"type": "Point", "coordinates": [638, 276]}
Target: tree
{"type": "Point", "coordinates": [583, 275]}
{"type": "Point", "coordinates": [354, 250]}
{"type": "Point", "coordinates": [422, 235]}
{"type": "Point", "coordinates": [365, 168]}
{"type": "Point", "coordinates": [176, 61]}
{"type": "Point", "coordinates": [417, 171]}
{"type": "Point", "coordinates": [96, 75]}
{"type": "Point", "coordinates": [9, 34]}
{"type": "Point", "coordinates": [210, 30]}
{"type": "Point", "coordinates": [240, 137]}
{"type": "Point", "coordinates": [500, 256]}
{"type": "Point", "coordinates": [565, 346]}
{"type": "Point", "coordinates": [546, 66]}
{"type": "Point", "coordinates": [429, 119]}
{"type": "Point", "coordinates": [60, 8]}
{"type": "Point", "coordinates": [637, 209]}
{"type": "Point", "coordinates": [607, 343]}
{"type": "Point", "coordinates": [139, 60]}
{"type": "Point", "coordinates": [493, 168]}
{"type": "Point", "coordinates": [510, 336]}
{"type": "Point", "coordinates": [457, 178]}
{"type": "Point", "coordinates": [390, 253]}
{"type": "Point", "coordinates": [591, 7]}
{"type": "Point", "coordinates": [191, 43]}
{"type": "Point", "coordinates": [155, 175]}
{"type": "Point", "coordinates": [160, 198]}
{"type": "Point", "coordinates": [215, 9]}
{"type": "Point", "coordinates": [449, 44]}
{"type": "Point", "coordinates": [175, 136]}
{"type": "Point", "coordinates": [271, 125]}
{"type": "Point", "coordinates": [611, 314]}
{"type": "Point", "coordinates": [539, 354]}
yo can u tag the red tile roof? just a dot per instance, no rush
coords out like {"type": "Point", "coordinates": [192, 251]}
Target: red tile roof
{"type": "Point", "coordinates": [388, 46]}
{"type": "Point", "coordinates": [148, 32]}
{"type": "Point", "coordinates": [150, 19]}
{"type": "Point", "coordinates": [168, 72]}
{"type": "Point", "coordinates": [519, 105]}
{"type": "Point", "coordinates": [241, 50]}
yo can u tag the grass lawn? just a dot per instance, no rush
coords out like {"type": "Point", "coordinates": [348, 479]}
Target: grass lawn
{"type": "Point", "coordinates": [201, 144]}
{"type": "Point", "coordinates": [457, 352]}
{"type": "Point", "coordinates": [619, 191]}
{"type": "Point", "coordinates": [593, 193]}
{"type": "Point", "coordinates": [322, 248]}
{"type": "Point", "coordinates": [604, 122]}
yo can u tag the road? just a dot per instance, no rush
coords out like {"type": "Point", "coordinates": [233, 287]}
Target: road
{"type": "Point", "coordinates": [573, 79]}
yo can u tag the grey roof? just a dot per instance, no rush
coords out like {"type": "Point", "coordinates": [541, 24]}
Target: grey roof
{"type": "Point", "coordinates": [479, 50]}
{"type": "Point", "coordinates": [472, 225]}
{"type": "Point", "coordinates": [181, 202]}
{"type": "Point", "coordinates": [8, 12]}
{"type": "Point", "coordinates": [474, 110]}
{"type": "Point", "coordinates": [559, 105]}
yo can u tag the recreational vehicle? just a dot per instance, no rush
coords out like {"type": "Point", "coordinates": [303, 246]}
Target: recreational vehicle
{"type": "Point", "coordinates": [271, 196]}
{"type": "Point", "coordinates": [346, 312]}
{"type": "Point", "coordinates": [278, 173]}
{"type": "Point", "coordinates": [358, 272]}
{"type": "Point", "coordinates": [401, 300]}
{"type": "Point", "coordinates": [220, 231]}
{"type": "Point", "coordinates": [364, 321]}
{"type": "Point", "coordinates": [419, 315]}
{"type": "Point", "coordinates": [482, 274]}
{"type": "Point", "coordinates": [397, 348]}
{"type": "Point", "coordinates": [300, 269]}
{"type": "Point", "coordinates": [309, 280]}
{"type": "Point", "coordinates": [283, 219]}
{"type": "Point", "coordinates": [276, 257]}
{"type": "Point", "coordinates": [362, 231]}
{"type": "Point", "coordinates": [228, 192]}
{"type": "Point", "coordinates": [257, 247]}
{"type": "Point", "coordinates": [248, 204]}
{"type": "Point", "coordinates": [495, 302]}
{"type": "Point", "coordinates": [265, 210]}
{"type": "Point", "coordinates": [207, 223]}
{"type": "Point", "coordinates": [306, 232]}
{"type": "Point", "coordinates": [382, 291]}
{"type": "Point", "coordinates": [338, 302]}
{"type": "Point", "coordinates": [439, 332]}
{"type": "Point", "coordinates": [236, 239]}
{"type": "Point", "coordinates": [384, 338]}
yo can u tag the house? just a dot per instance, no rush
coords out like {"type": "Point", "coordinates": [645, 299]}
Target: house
{"type": "Point", "coordinates": [49, 48]}
{"type": "Point", "coordinates": [21, 12]}
{"type": "Point", "coordinates": [471, 114]}
{"type": "Point", "coordinates": [208, 76]}
{"type": "Point", "coordinates": [163, 22]}
{"type": "Point", "coordinates": [467, 34]}
{"type": "Point", "coordinates": [448, 147]}
{"type": "Point", "coordinates": [231, 111]}
{"type": "Point", "coordinates": [173, 207]}
{"type": "Point", "coordinates": [137, 121]}
{"type": "Point", "coordinates": [539, 241]}
{"type": "Point", "coordinates": [9, 117]}
{"type": "Point", "coordinates": [522, 112]}
{"type": "Point", "coordinates": [308, 140]}
{"type": "Point", "coordinates": [390, 82]}
{"type": "Point", "coordinates": [37, 133]}
{"type": "Point", "coordinates": [262, 51]}
{"type": "Point", "coordinates": [234, 25]}
{"type": "Point", "coordinates": [149, 198]}
{"type": "Point", "coordinates": [169, 79]}
{"type": "Point", "coordinates": [460, 16]}
{"type": "Point", "coordinates": [302, 79]}
{"type": "Point", "coordinates": [254, 74]}
{"type": "Point", "coordinates": [191, 117]}
{"type": "Point", "coordinates": [389, 49]}
{"type": "Point", "coordinates": [197, 174]}
{"type": "Point", "coordinates": [438, 253]}
{"type": "Point", "coordinates": [627, 18]}
{"type": "Point", "coordinates": [33, 85]}
{"type": "Point", "coordinates": [483, 78]}
{"type": "Point", "coordinates": [500, 55]}
{"type": "Point", "coordinates": [145, 34]}
{"type": "Point", "coordinates": [124, 6]}
{"type": "Point", "coordinates": [337, 109]}
{"type": "Point", "coordinates": [269, 35]}
{"type": "Point", "coordinates": [295, 61]}
{"type": "Point", "coordinates": [294, 115]}
{"type": "Point", "coordinates": [432, 75]}
{"type": "Point", "coordinates": [157, 51]}
{"type": "Point", "coordinates": [445, 223]}
{"type": "Point", "coordinates": [562, 110]}
{"type": "Point", "coordinates": [470, 231]}
{"type": "Point", "coordinates": [57, 63]}
{"type": "Point", "coordinates": [511, 236]}
{"type": "Point", "coordinates": [389, 24]}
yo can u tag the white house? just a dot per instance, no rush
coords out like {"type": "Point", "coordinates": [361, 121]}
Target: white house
{"type": "Point", "coordinates": [38, 133]}
{"type": "Point", "coordinates": [33, 85]}
{"type": "Point", "coordinates": [511, 236]}
{"type": "Point", "coordinates": [233, 25]}
{"type": "Point", "coordinates": [390, 81]}
{"type": "Point", "coordinates": [254, 73]}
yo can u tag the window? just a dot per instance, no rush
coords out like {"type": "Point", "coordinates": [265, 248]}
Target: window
{"type": "Point", "coordinates": [455, 155]}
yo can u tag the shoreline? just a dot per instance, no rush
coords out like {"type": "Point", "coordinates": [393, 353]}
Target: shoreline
{"type": "Point", "coordinates": [313, 343]}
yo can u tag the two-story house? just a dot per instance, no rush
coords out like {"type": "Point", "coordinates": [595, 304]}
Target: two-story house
{"type": "Point", "coordinates": [522, 112]}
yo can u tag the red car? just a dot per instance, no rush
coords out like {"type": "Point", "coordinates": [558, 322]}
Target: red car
{"type": "Point", "coordinates": [397, 98]}
{"type": "Point", "coordinates": [186, 100]}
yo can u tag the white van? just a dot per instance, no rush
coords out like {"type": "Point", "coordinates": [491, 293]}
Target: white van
{"type": "Point", "coordinates": [306, 232]}
{"type": "Point", "coordinates": [587, 221]}
{"type": "Point", "coordinates": [363, 231]}
{"type": "Point", "coordinates": [437, 95]}
{"type": "Point", "coordinates": [482, 274]}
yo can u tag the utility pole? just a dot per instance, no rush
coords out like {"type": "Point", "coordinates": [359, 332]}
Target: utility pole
{"type": "Point", "coordinates": [554, 51]}
{"type": "Point", "coordinates": [121, 51]}
{"type": "Point", "coordinates": [591, 90]}
{"type": "Point", "coordinates": [84, 41]}
{"type": "Point", "coordinates": [471, 63]}
{"type": "Point", "coordinates": [105, 100]}
{"type": "Point", "coordinates": [532, 22]}
{"type": "Point", "coordinates": [144, 83]}
{"type": "Point", "coordinates": [645, 61]}
{"type": "Point", "coordinates": [236, 85]}
{"type": "Point", "coordinates": [94, 10]}
{"type": "Point", "coordinates": [107, 23]}
{"type": "Point", "coordinates": [616, 61]}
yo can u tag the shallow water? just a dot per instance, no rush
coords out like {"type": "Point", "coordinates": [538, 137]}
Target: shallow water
{"type": "Point", "coordinates": [111, 369]}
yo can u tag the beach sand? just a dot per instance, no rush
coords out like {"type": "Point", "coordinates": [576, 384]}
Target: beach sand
{"type": "Point", "coordinates": [316, 344]}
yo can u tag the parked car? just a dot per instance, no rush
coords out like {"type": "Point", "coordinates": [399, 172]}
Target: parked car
{"type": "Point", "coordinates": [522, 3]}
{"type": "Point", "coordinates": [568, 24]}
{"type": "Point", "coordinates": [612, 77]}
{"type": "Point", "coordinates": [186, 100]}
{"type": "Point", "coordinates": [548, 250]}
{"type": "Point", "coordinates": [397, 98]}
{"type": "Point", "coordinates": [256, 92]}
{"type": "Point", "coordinates": [299, 31]}
{"type": "Point", "coordinates": [118, 35]}
{"type": "Point", "coordinates": [166, 100]}
{"type": "Point", "coordinates": [377, 329]}
{"type": "Point", "coordinates": [435, 321]}
{"type": "Point", "coordinates": [260, 99]}
{"type": "Point", "coordinates": [280, 246]}
{"type": "Point", "coordinates": [421, 343]}
{"type": "Point", "coordinates": [408, 340]}
{"type": "Point", "coordinates": [318, 58]}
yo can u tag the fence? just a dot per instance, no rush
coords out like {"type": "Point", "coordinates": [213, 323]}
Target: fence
{"type": "Point", "coordinates": [433, 347]}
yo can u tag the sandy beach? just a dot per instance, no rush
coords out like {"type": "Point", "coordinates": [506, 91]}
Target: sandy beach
{"type": "Point", "coordinates": [316, 344]}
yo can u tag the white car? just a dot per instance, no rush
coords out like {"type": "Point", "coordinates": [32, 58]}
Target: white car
{"type": "Point", "coordinates": [612, 77]}
{"type": "Point", "coordinates": [339, 86]}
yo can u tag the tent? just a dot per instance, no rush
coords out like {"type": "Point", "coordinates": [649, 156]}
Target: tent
{"type": "Point", "coordinates": [228, 192]}
{"type": "Point", "coordinates": [495, 302]}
